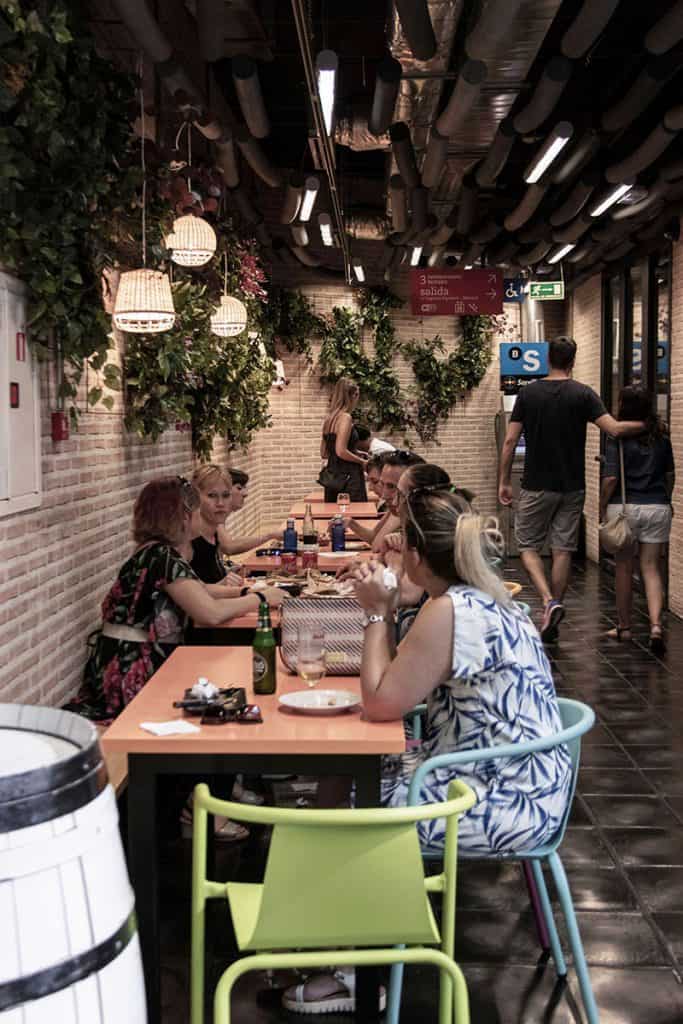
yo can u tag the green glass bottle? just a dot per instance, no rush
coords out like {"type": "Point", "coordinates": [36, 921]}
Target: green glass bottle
{"type": "Point", "coordinates": [263, 653]}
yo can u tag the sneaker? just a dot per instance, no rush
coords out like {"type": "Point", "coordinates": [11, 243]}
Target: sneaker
{"type": "Point", "coordinates": [552, 617]}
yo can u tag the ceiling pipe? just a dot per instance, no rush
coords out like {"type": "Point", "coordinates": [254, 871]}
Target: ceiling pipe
{"type": "Point", "coordinates": [649, 149]}
{"type": "Point", "coordinates": [579, 254]}
{"type": "Point", "coordinates": [211, 29]}
{"type": "Point", "coordinates": [534, 255]}
{"type": "Point", "coordinates": [621, 250]}
{"type": "Point", "coordinates": [299, 235]}
{"type": "Point", "coordinates": [666, 32]}
{"type": "Point", "coordinates": [369, 224]}
{"type": "Point", "coordinates": [581, 152]}
{"type": "Point", "coordinates": [399, 203]}
{"type": "Point", "coordinates": [493, 163]}
{"type": "Point", "coordinates": [256, 158]}
{"type": "Point", "coordinates": [404, 154]}
{"type": "Point", "coordinates": [537, 230]}
{"type": "Point", "coordinates": [492, 26]}
{"type": "Point", "coordinates": [471, 255]}
{"type": "Point", "coordinates": [305, 257]}
{"type": "Point", "coordinates": [419, 207]}
{"type": "Point", "coordinates": [243, 204]}
{"type": "Point", "coordinates": [573, 231]}
{"type": "Point", "coordinates": [463, 97]}
{"type": "Point", "coordinates": [502, 251]}
{"type": "Point", "coordinates": [586, 27]}
{"type": "Point", "coordinates": [417, 27]}
{"type": "Point", "coordinates": [444, 231]}
{"type": "Point", "coordinates": [467, 206]}
{"type": "Point", "coordinates": [576, 200]}
{"type": "Point", "coordinates": [387, 81]}
{"type": "Point", "coordinates": [262, 234]}
{"type": "Point", "coordinates": [659, 225]}
{"type": "Point", "coordinates": [248, 89]}
{"type": "Point", "coordinates": [526, 207]}
{"type": "Point", "coordinates": [435, 159]}
{"type": "Point", "coordinates": [671, 170]}
{"type": "Point", "coordinates": [294, 193]}
{"type": "Point", "coordinates": [226, 160]}
{"type": "Point", "coordinates": [640, 94]}
{"type": "Point", "coordinates": [485, 232]}
{"type": "Point", "coordinates": [656, 193]}
{"type": "Point", "coordinates": [436, 256]}
{"type": "Point", "coordinates": [284, 253]}
{"type": "Point", "coordinates": [548, 90]}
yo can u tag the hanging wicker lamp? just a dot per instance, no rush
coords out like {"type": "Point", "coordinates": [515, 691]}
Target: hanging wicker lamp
{"type": "Point", "coordinates": [192, 241]}
{"type": "Point", "coordinates": [144, 303]}
{"type": "Point", "coordinates": [229, 318]}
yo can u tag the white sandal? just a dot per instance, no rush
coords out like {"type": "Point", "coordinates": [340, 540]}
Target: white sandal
{"type": "Point", "coordinates": [343, 1000]}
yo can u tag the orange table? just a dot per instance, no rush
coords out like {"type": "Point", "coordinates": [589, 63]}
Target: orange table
{"type": "Point", "coordinates": [344, 744]}
{"type": "Point", "coordinates": [316, 496]}
{"type": "Point", "coordinates": [326, 562]}
{"type": "Point", "coordinates": [238, 631]}
{"type": "Point", "coordinates": [355, 510]}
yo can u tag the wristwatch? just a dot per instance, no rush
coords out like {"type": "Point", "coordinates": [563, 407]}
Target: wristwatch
{"type": "Point", "coordinates": [369, 619]}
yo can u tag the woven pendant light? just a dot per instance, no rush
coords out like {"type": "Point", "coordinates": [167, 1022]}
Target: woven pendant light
{"type": "Point", "coordinates": [229, 317]}
{"type": "Point", "coordinates": [144, 303]}
{"type": "Point", "coordinates": [193, 241]}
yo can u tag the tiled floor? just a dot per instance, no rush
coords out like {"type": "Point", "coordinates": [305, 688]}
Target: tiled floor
{"type": "Point", "coordinates": [623, 853]}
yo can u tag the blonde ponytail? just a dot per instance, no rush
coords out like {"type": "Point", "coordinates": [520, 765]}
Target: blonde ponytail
{"type": "Point", "coordinates": [478, 541]}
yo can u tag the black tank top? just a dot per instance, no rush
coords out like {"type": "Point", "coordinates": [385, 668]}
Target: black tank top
{"type": "Point", "coordinates": [206, 560]}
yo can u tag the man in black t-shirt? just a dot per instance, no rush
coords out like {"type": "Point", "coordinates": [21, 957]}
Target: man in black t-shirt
{"type": "Point", "coordinates": [553, 413]}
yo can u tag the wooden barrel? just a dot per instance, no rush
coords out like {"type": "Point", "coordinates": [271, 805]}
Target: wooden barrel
{"type": "Point", "coordinates": [69, 950]}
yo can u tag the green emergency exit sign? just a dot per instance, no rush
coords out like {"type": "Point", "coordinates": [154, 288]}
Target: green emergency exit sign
{"type": "Point", "coordinates": [546, 290]}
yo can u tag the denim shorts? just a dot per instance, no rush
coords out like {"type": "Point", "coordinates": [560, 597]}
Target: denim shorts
{"type": "Point", "coordinates": [650, 524]}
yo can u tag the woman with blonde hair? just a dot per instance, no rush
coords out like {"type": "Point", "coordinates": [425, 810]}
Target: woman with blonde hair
{"type": "Point", "coordinates": [345, 466]}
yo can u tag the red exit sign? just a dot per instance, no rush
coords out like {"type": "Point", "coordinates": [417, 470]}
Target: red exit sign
{"type": "Point", "coordinates": [436, 292]}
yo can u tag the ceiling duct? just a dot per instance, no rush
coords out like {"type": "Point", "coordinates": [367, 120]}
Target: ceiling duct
{"type": "Point", "coordinates": [294, 193]}
{"type": "Point", "coordinates": [248, 89]}
{"type": "Point", "coordinates": [399, 203]}
{"type": "Point", "coordinates": [586, 27]}
{"type": "Point", "coordinates": [492, 26]}
{"type": "Point", "coordinates": [354, 133]}
{"type": "Point", "coordinates": [655, 195]}
{"type": "Point", "coordinates": [548, 90]}
{"type": "Point", "coordinates": [576, 200]}
{"type": "Point", "coordinates": [404, 154]}
{"type": "Point", "coordinates": [579, 254]}
{"type": "Point", "coordinates": [226, 160]}
{"type": "Point", "coordinates": [417, 27]}
{"type": "Point", "coordinates": [211, 29]}
{"type": "Point", "coordinates": [573, 231]}
{"type": "Point", "coordinates": [537, 230]}
{"type": "Point", "coordinates": [502, 251]}
{"type": "Point", "coordinates": [436, 256]}
{"type": "Point", "coordinates": [485, 233]}
{"type": "Point", "coordinates": [305, 257]}
{"type": "Point", "coordinates": [493, 163]}
{"type": "Point", "coordinates": [467, 207]}
{"type": "Point", "coordinates": [443, 232]}
{"type": "Point", "coordinates": [299, 235]}
{"type": "Point", "coordinates": [463, 97]}
{"type": "Point", "coordinates": [368, 225]}
{"type": "Point", "coordinates": [649, 149]}
{"type": "Point", "coordinates": [620, 251]}
{"type": "Point", "coordinates": [534, 255]}
{"type": "Point", "coordinates": [387, 82]}
{"type": "Point", "coordinates": [666, 32]}
{"type": "Point", "coordinates": [435, 158]}
{"type": "Point", "coordinates": [256, 158]}
{"type": "Point", "coordinates": [244, 206]}
{"type": "Point", "coordinates": [526, 208]}
{"type": "Point", "coordinates": [638, 97]}
{"type": "Point", "coordinates": [671, 170]}
{"type": "Point", "coordinates": [419, 207]}
{"type": "Point", "coordinates": [580, 154]}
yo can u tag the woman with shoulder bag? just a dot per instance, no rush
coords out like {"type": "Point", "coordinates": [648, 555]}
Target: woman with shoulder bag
{"type": "Point", "coordinates": [647, 484]}
{"type": "Point", "coordinates": [345, 468]}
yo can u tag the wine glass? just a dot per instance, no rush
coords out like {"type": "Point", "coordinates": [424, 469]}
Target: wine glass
{"type": "Point", "coordinates": [343, 501]}
{"type": "Point", "coordinates": [311, 654]}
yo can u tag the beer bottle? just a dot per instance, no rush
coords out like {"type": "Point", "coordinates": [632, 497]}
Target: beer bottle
{"type": "Point", "coordinates": [263, 653]}
{"type": "Point", "coordinates": [309, 525]}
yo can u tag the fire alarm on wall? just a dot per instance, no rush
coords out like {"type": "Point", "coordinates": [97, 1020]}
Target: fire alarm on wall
{"type": "Point", "coordinates": [14, 395]}
{"type": "Point", "coordinates": [60, 426]}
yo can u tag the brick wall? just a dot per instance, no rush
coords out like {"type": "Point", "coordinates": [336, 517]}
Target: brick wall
{"type": "Point", "coordinates": [585, 327]}
{"type": "Point", "coordinates": [676, 545]}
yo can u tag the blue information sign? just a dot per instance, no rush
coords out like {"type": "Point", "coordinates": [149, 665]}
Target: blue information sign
{"type": "Point", "coordinates": [513, 289]}
{"type": "Point", "coordinates": [524, 359]}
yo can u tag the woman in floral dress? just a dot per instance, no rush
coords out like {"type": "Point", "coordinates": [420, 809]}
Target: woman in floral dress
{"type": "Point", "coordinates": [145, 613]}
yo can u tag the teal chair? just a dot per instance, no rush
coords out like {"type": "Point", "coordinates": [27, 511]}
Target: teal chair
{"type": "Point", "coordinates": [577, 719]}
{"type": "Point", "coordinates": [350, 878]}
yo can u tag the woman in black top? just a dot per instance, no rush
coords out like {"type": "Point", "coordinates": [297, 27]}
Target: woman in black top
{"type": "Point", "coordinates": [338, 444]}
{"type": "Point", "coordinates": [649, 479]}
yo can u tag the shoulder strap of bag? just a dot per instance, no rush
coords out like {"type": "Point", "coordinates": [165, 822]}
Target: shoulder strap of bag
{"type": "Point", "coordinates": [623, 477]}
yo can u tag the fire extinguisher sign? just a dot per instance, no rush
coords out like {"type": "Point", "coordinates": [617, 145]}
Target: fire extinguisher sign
{"type": "Point", "coordinates": [21, 347]}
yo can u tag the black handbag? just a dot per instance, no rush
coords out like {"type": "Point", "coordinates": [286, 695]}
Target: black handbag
{"type": "Point", "coordinates": [333, 481]}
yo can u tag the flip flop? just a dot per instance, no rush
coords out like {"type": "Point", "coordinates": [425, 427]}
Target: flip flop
{"type": "Point", "coordinates": [342, 1000]}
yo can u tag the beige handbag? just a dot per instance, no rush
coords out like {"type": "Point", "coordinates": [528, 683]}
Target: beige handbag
{"type": "Point", "coordinates": [341, 619]}
{"type": "Point", "coordinates": [615, 534]}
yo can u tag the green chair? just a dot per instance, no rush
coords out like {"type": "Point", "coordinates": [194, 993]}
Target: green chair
{"type": "Point", "coordinates": [333, 880]}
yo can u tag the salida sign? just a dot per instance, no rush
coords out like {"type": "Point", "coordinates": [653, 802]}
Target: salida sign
{"type": "Point", "coordinates": [436, 292]}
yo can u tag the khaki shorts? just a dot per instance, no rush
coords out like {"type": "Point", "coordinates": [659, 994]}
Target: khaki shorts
{"type": "Point", "coordinates": [550, 517]}
{"type": "Point", "coordinates": [650, 524]}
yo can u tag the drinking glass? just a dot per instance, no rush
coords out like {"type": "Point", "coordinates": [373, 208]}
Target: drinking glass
{"type": "Point", "coordinates": [343, 501]}
{"type": "Point", "coordinates": [311, 655]}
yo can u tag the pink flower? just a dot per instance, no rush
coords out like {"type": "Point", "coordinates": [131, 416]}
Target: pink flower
{"type": "Point", "coordinates": [137, 675]}
{"type": "Point", "coordinates": [111, 685]}
{"type": "Point", "coordinates": [165, 626]}
{"type": "Point", "coordinates": [111, 600]}
{"type": "Point", "coordinates": [136, 596]}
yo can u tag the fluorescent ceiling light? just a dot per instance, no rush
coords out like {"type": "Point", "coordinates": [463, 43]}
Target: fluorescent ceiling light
{"type": "Point", "coordinates": [325, 225]}
{"type": "Point", "coordinates": [415, 255]}
{"type": "Point", "coordinates": [554, 144]}
{"type": "Point", "coordinates": [561, 253]}
{"type": "Point", "coordinates": [358, 270]}
{"type": "Point", "coordinates": [468, 266]}
{"type": "Point", "coordinates": [610, 198]}
{"type": "Point", "coordinates": [311, 186]}
{"type": "Point", "coordinates": [326, 65]}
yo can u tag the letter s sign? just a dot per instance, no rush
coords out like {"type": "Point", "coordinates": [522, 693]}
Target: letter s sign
{"type": "Point", "coordinates": [531, 361]}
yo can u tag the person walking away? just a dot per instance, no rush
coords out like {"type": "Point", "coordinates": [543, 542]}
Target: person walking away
{"type": "Point", "coordinates": [649, 479]}
{"type": "Point", "coordinates": [553, 413]}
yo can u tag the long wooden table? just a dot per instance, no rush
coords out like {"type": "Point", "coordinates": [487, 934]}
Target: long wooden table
{"type": "Point", "coordinates": [344, 744]}
{"type": "Point", "coordinates": [354, 509]}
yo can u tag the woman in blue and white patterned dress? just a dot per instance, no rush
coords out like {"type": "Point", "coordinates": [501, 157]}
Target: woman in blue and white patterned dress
{"type": "Point", "coordinates": [479, 663]}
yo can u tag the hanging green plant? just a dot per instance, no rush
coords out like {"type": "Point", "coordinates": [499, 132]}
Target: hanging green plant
{"type": "Point", "coordinates": [289, 320]}
{"type": "Point", "coordinates": [382, 405]}
{"type": "Point", "coordinates": [188, 375]}
{"type": "Point", "coordinates": [65, 176]}
{"type": "Point", "coordinates": [440, 382]}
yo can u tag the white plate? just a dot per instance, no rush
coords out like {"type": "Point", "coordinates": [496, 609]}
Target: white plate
{"type": "Point", "coordinates": [320, 702]}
